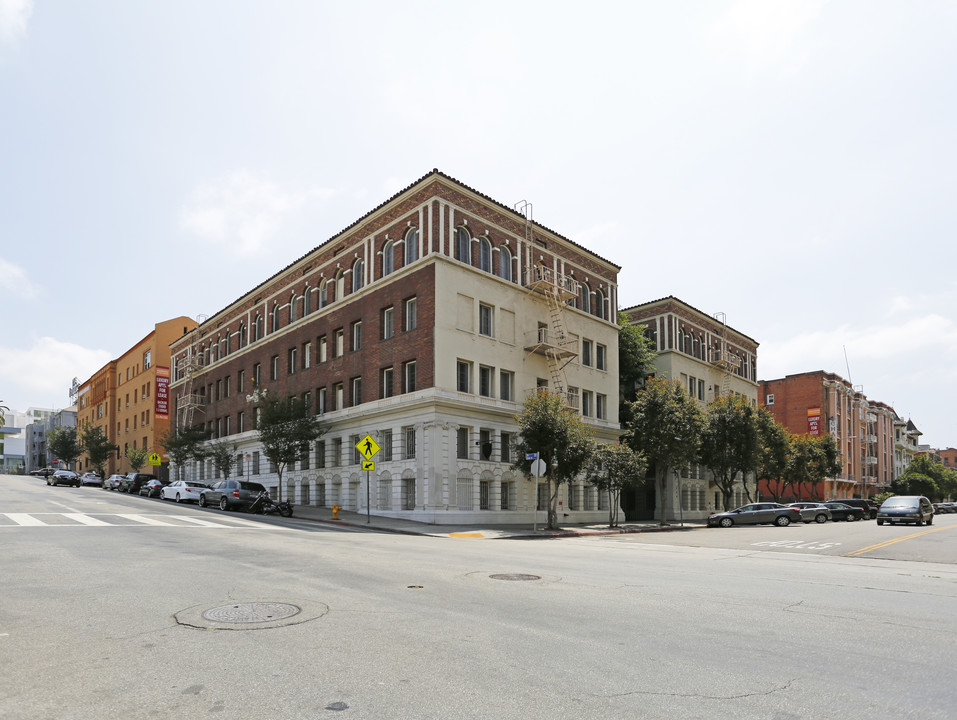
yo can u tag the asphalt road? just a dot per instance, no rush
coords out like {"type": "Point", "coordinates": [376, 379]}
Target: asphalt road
{"type": "Point", "coordinates": [124, 617]}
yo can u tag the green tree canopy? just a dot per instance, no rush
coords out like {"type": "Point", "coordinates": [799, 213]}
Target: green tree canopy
{"type": "Point", "coordinates": [137, 457]}
{"type": "Point", "coordinates": [612, 469]}
{"type": "Point", "coordinates": [97, 446]}
{"type": "Point", "coordinates": [64, 445]}
{"type": "Point", "coordinates": [636, 356]}
{"type": "Point", "coordinates": [729, 442]}
{"type": "Point", "coordinates": [286, 429]}
{"type": "Point", "coordinates": [774, 448]}
{"type": "Point", "coordinates": [666, 425]}
{"type": "Point", "coordinates": [223, 456]}
{"type": "Point", "coordinates": [183, 444]}
{"type": "Point", "coordinates": [924, 476]}
{"type": "Point", "coordinates": [562, 440]}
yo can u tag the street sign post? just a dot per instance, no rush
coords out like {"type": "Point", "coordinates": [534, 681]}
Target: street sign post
{"type": "Point", "coordinates": [368, 448]}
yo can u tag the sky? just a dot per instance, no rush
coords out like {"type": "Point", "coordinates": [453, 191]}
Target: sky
{"type": "Point", "coordinates": [789, 163]}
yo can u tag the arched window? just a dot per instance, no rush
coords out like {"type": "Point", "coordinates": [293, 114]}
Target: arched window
{"type": "Point", "coordinates": [504, 263]}
{"type": "Point", "coordinates": [600, 304]}
{"type": "Point", "coordinates": [307, 301]}
{"type": "Point", "coordinates": [388, 258]}
{"type": "Point", "coordinates": [275, 318]}
{"type": "Point", "coordinates": [463, 245]}
{"type": "Point", "coordinates": [323, 288]}
{"type": "Point", "coordinates": [411, 246]}
{"type": "Point", "coordinates": [586, 298]}
{"type": "Point", "coordinates": [485, 255]}
{"type": "Point", "coordinates": [293, 308]}
{"type": "Point", "coordinates": [339, 289]}
{"type": "Point", "coordinates": [243, 338]}
{"type": "Point", "coordinates": [358, 274]}
{"type": "Point", "coordinates": [258, 327]}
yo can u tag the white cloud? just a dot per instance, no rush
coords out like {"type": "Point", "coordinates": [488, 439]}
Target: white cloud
{"type": "Point", "coordinates": [41, 375]}
{"type": "Point", "coordinates": [764, 31]}
{"type": "Point", "coordinates": [14, 15]}
{"type": "Point", "coordinates": [14, 280]}
{"type": "Point", "coordinates": [243, 211]}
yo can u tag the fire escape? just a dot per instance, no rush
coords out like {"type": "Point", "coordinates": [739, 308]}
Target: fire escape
{"type": "Point", "coordinates": [189, 402]}
{"type": "Point", "coordinates": [723, 359]}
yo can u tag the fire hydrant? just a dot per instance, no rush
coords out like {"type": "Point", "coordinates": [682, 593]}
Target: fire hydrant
{"type": "Point", "coordinates": [335, 512]}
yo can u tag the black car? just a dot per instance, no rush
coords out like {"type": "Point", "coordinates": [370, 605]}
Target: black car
{"type": "Point", "coordinates": [64, 477]}
{"type": "Point", "coordinates": [841, 511]}
{"type": "Point", "coordinates": [230, 494]}
{"type": "Point", "coordinates": [152, 487]}
{"type": "Point", "coordinates": [869, 508]}
{"type": "Point", "coordinates": [914, 509]}
{"type": "Point", "coordinates": [133, 482]}
{"type": "Point", "coordinates": [42, 472]}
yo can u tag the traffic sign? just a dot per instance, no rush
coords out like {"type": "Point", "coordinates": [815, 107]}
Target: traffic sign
{"type": "Point", "coordinates": [368, 465]}
{"type": "Point", "coordinates": [367, 447]}
{"type": "Point", "coordinates": [531, 456]}
{"type": "Point", "coordinates": [155, 459]}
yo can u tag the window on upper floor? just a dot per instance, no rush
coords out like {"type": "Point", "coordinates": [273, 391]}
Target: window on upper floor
{"type": "Point", "coordinates": [358, 274]}
{"type": "Point", "coordinates": [485, 254]}
{"type": "Point", "coordinates": [388, 258]}
{"type": "Point", "coordinates": [504, 263]}
{"type": "Point", "coordinates": [411, 246]}
{"type": "Point", "coordinates": [463, 245]}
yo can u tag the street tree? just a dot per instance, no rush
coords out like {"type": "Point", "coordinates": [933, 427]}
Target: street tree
{"type": "Point", "coordinates": [223, 456]}
{"type": "Point", "coordinates": [286, 430]}
{"type": "Point", "coordinates": [64, 445]}
{"type": "Point", "coordinates": [811, 460]}
{"type": "Point", "coordinates": [774, 446]}
{"type": "Point", "coordinates": [923, 476]}
{"type": "Point", "coordinates": [729, 442]}
{"type": "Point", "coordinates": [636, 356]}
{"type": "Point", "coordinates": [612, 469]}
{"type": "Point", "coordinates": [547, 426]}
{"type": "Point", "coordinates": [137, 457]}
{"type": "Point", "coordinates": [665, 426]}
{"type": "Point", "coordinates": [183, 444]}
{"type": "Point", "coordinates": [97, 446]}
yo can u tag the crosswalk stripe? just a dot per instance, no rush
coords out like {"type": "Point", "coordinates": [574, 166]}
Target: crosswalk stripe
{"type": "Point", "coordinates": [201, 523]}
{"type": "Point", "coordinates": [147, 520]}
{"type": "Point", "coordinates": [86, 519]}
{"type": "Point", "coordinates": [24, 519]}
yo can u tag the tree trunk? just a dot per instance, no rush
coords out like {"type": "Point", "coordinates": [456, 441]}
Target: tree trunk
{"type": "Point", "coordinates": [661, 479]}
{"type": "Point", "coordinates": [552, 503]}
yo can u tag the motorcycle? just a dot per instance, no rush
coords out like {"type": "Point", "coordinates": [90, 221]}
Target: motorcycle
{"type": "Point", "coordinates": [265, 505]}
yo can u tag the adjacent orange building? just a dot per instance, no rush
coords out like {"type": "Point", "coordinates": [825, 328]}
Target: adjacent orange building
{"type": "Point", "coordinates": [128, 397]}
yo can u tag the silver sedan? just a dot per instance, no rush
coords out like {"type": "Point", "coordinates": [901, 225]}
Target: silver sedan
{"type": "Point", "coordinates": [812, 512]}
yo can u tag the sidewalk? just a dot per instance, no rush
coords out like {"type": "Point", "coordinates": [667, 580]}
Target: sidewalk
{"type": "Point", "coordinates": [524, 531]}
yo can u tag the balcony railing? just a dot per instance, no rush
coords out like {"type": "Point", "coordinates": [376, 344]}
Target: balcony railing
{"type": "Point", "coordinates": [546, 342]}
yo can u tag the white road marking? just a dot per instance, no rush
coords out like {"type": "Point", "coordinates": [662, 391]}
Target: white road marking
{"type": "Point", "coordinates": [147, 520]}
{"type": "Point", "coordinates": [85, 519]}
{"type": "Point", "coordinates": [24, 519]}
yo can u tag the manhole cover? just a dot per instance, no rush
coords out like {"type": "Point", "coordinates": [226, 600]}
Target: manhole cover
{"type": "Point", "coordinates": [514, 576]}
{"type": "Point", "coordinates": [253, 612]}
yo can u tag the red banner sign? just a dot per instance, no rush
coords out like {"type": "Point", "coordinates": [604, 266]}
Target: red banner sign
{"type": "Point", "coordinates": [814, 421]}
{"type": "Point", "coordinates": [161, 407]}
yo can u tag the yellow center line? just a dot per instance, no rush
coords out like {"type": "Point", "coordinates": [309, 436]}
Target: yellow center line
{"type": "Point", "coordinates": [884, 544]}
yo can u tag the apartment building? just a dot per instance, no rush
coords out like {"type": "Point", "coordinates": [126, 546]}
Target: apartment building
{"type": "Point", "coordinates": [865, 430]}
{"type": "Point", "coordinates": [906, 444]}
{"type": "Point", "coordinates": [128, 398]}
{"type": "Point", "coordinates": [424, 324]}
{"type": "Point", "coordinates": [710, 359]}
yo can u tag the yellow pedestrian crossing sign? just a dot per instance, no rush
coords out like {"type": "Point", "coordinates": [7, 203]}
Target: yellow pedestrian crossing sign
{"type": "Point", "coordinates": [155, 459]}
{"type": "Point", "coordinates": [368, 465]}
{"type": "Point", "coordinates": [367, 447]}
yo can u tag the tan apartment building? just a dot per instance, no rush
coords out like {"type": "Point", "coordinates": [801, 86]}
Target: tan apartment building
{"type": "Point", "coordinates": [709, 358]}
{"type": "Point", "coordinates": [128, 398]}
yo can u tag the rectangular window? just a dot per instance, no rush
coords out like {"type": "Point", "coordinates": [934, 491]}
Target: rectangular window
{"type": "Point", "coordinates": [386, 445]}
{"type": "Point", "coordinates": [274, 368]}
{"type": "Point", "coordinates": [219, 389]}
{"type": "Point", "coordinates": [506, 500]}
{"type": "Point", "coordinates": [322, 349]}
{"type": "Point", "coordinates": [769, 399]}
{"type": "Point", "coordinates": [506, 380]}
{"type": "Point", "coordinates": [337, 452]}
{"type": "Point", "coordinates": [485, 490]}
{"type": "Point", "coordinates": [255, 462]}
{"type": "Point", "coordinates": [320, 401]}
{"type": "Point", "coordinates": [601, 405]}
{"type": "Point", "coordinates": [586, 403]}
{"type": "Point", "coordinates": [241, 422]}
{"type": "Point", "coordinates": [339, 342]}
{"type": "Point", "coordinates": [241, 381]}
{"type": "Point", "coordinates": [600, 354]}
{"type": "Point", "coordinates": [356, 391]}
{"type": "Point", "coordinates": [356, 455]}
{"type": "Point", "coordinates": [409, 436]}
{"type": "Point", "coordinates": [306, 355]}
{"type": "Point", "coordinates": [463, 373]}
{"type": "Point", "coordinates": [385, 383]}
{"type": "Point", "coordinates": [506, 442]}
{"type": "Point", "coordinates": [462, 443]}
{"type": "Point", "coordinates": [408, 377]}
{"type": "Point", "coordinates": [485, 444]}
{"type": "Point", "coordinates": [356, 335]}
{"type": "Point", "coordinates": [147, 359]}
{"type": "Point", "coordinates": [320, 453]}
{"type": "Point", "coordinates": [388, 323]}
{"type": "Point", "coordinates": [586, 353]}
{"type": "Point", "coordinates": [257, 375]}
{"type": "Point", "coordinates": [338, 399]}
{"type": "Point", "coordinates": [485, 381]}
{"type": "Point", "coordinates": [701, 389]}
{"type": "Point", "coordinates": [293, 360]}
{"type": "Point", "coordinates": [226, 388]}
{"type": "Point", "coordinates": [485, 320]}
{"type": "Point", "coordinates": [411, 321]}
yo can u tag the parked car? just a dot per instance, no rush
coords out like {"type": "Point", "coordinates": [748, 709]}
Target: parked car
{"type": "Point", "coordinates": [943, 507]}
{"type": "Point", "coordinates": [914, 509]}
{"type": "Point", "coordinates": [42, 472]}
{"type": "Point", "coordinates": [152, 488]}
{"type": "Point", "coordinates": [133, 482]}
{"type": "Point", "coordinates": [183, 491]}
{"type": "Point", "coordinates": [840, 511]}
{"type": "Point", "coordinates": [230, 494]}
{"type": "Point", "coordinates": [64, 477]}
{"type": "Point", "coordinates": [869, 508]}
{"type": "Point", "coordinates": [756, 514]}
{"type": "Point", "coordinates": [113, 482]}
{"type": "Point", "coordinates": [813, 512]}
{"type": "Point", "coordinates": [91, 478]}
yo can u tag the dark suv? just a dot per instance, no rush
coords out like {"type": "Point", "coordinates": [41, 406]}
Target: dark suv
{"type": "Point", "coordinates": [869, 508]}
{"type": "Point", "coordinates": [230, 494]}
{"type": "Point", "coordinates": [133, 482]}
